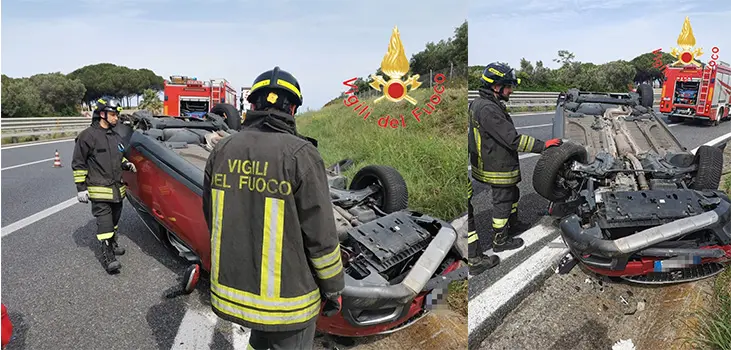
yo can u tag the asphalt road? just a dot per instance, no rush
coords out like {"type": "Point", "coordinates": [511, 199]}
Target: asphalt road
{"type": "Point", "coordinates": [532, 207]}
{"type": "Point", "coordinates": [58, 295]}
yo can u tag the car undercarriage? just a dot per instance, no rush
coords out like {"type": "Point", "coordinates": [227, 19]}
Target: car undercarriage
{"type": "Point", "coordinates": [632, 202]}
{"type": "Point", "coordinates": [393, 257]}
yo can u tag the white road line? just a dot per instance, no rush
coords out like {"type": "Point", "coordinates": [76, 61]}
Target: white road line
{"type": "Point", "coordinates": [491, 299]}
{"type": "Point", "coordinates": [37, 216]}
{"type": "Point", "coordinates": [35, 144]}
{"type": "Point", "coordinates": [196, 330]}
{"type": "Point", "coordinates": [714, 142]}
{"type": "Point", "coordinates": [530, 237]}
{"type": "Point", "coordinates": [24, 164]}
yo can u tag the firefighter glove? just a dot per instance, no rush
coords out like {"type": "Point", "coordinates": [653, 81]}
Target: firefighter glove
{"type": "Point", "coordinates": [83, 196]}
{"type": "Point", "coordinates": [553, 142]}
{"type": "Point", "coordinates": [129, 166]}
{"type": "Point", "coordinates": [331, 307]}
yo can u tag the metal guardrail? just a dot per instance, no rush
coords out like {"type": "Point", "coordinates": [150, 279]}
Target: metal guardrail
{"type": "Point", "coordinates": [20, 127]}
{"type": "Point", "coordinates": [539, 99]}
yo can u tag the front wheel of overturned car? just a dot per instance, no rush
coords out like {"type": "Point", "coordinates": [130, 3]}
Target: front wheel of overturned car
{"type": "Point", "coordinates": [393, 194]}
{"type": "Point", "coordinates": [710, 167]}
{"type": "Point", "coordinates": [230, 113]}
{"type": "Point", "coordinates": [647, 95]}
{"type": "Point", "coordinates": [551, 167]}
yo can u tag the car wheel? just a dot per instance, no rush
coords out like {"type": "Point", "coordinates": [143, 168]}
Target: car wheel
{"type": "Point", "coordinates": [230, 113]}
{"type": "Point", "coordinates": [647, 95]}
{"type": "Point", "coordinates": [393, 195]}
{"type": "Point", "coordinates": [710, 167]}
{"type": "Point", "coordinates": [550, 168]}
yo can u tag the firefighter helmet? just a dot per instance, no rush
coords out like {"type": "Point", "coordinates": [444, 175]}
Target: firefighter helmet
{"type": "Point", "coordinates": [497, 73]}
{"type": "Point", "coordinates": [111, 105]}
{"type": "Point", "coordinates": [268, 84]}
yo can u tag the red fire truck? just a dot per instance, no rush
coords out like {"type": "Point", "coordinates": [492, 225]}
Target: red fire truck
{"type": "Point", "coordinates": [190, 97]}
{"type": "Point", "coordinates": [692, 92]}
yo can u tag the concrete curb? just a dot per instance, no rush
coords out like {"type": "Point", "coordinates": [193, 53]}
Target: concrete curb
{"type": "Point", "coordinates": [487, 310]}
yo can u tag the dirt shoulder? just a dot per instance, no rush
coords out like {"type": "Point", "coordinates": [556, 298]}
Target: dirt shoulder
{"type": "Point", "coordinates": [581, 310]}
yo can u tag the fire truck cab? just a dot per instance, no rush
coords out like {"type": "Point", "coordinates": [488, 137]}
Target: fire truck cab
{"type": "Point", "coordinates": [193, 98]}
{"type": "Point", "coordinates": [692, 92]}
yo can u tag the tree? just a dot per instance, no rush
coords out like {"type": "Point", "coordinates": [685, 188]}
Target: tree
{"type": "Point", "coordinates": [60, 93]}
{"type": "Point", "coordinates": [151, 101]}
{"type": "Point", "coordinates": [21, 98]}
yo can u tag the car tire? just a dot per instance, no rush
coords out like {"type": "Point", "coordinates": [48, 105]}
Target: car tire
{"type": "Point", "coordinates": [230, 114]}
{"type": "Point", "coordinates": [647, 95]}
{"type": "Point", "coordinates": [710, 168]}
{"type": "Point", "coordinates": [394, 196]}
{"type": "Point", "coordinates": [549, 167]}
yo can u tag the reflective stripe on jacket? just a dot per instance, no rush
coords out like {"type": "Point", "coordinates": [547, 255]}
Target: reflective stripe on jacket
{"type": "Point", "coordinates": [494, 143]}
{"type": "Point", "coordinates": [97, 164]}
{"type": "Point", "coordinates": [274, 247]}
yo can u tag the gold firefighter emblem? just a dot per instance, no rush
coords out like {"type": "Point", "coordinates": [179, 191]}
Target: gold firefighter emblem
{"type": "Point", "coordinates": [686, 54]}
{"type": "Point", "coordinates": [395, 65]}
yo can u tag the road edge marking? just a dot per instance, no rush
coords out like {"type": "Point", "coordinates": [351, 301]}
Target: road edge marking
{"type": "Point", "coordinates": [36, 144]}
{"type": "Point", "coordinates": [22, 223]}
{"type": "Point", "coordinates": [26, 164]}
{"type": "Point", "coordinates": [487, 310]}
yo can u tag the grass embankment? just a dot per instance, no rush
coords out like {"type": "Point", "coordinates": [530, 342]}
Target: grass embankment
{"type": "Point", "coordinates": [23, 139]}
{"type": "Point", "coordinates": [431, 155]}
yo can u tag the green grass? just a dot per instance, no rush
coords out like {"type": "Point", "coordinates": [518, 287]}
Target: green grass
{"type": "Point", "coordinates": [23, 139]}
{"type": "Point", "coordinates": [431, 155]}
{"type": "Point", "coordinates": [712, 324]}
{"type": "Point", "coordinates": [458, 296]}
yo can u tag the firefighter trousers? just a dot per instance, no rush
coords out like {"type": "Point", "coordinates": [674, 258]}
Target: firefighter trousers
{"type": "Point", "coordinates": [504, 209]}
{"type": "Point", "coordinates": [107, 216]}
{"type": "Point", "coordinates": [299, 339]}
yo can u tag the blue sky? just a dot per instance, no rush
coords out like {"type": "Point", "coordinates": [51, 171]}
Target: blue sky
{"type": "Point", "coordinates": [595, 31]}
{"type": "Point", "coordinates": [321, 42]}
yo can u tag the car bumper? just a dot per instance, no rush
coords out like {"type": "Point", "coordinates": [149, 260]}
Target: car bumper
{"type": "Point", "coordinates": [612, 256]}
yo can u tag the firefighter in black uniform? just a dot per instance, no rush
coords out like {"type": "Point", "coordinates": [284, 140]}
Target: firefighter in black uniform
{"type": "Point", "coordinates": [98, 163]}
{"type": "Point", "coordinates": [493, 148]}
{"type": "Point", "coordinates": [275, 254]}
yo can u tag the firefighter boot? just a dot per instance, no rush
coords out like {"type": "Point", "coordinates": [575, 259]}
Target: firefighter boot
{"type": "Point", "coordinates": [117, 249]}
{"type": "Point", "coordinates": [503, 241]}
{"type": "Point", "coordinates": [516, 226]}
{"type": "Point", "coordinates": [110, 261]}
{"type": "Point", "coordinates": [481, 263]}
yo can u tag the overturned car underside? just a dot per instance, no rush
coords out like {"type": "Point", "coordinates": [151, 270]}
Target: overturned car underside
{"type": "Point", "coordinates": [633, 202]}
{"type": "Point", "coordinates": [392, 257]}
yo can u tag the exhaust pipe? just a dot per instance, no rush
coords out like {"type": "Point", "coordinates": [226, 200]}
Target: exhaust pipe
{"type": "Point", "coordinates": [417, 278]}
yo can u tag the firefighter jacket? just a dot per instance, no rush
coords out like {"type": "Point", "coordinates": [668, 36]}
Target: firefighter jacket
{"type": "Point", "coordinates": [98, 163]}
{"type": "Point", "coordinates": [494, 143]}
{"type": "Point", "coordinates": [274, 247]}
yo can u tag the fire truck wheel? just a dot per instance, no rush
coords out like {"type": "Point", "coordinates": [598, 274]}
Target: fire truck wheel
{"type": "Point", "coordinates": [230, 113]}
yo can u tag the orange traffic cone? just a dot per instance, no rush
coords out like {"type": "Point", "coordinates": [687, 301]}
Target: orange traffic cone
{"type": "Point", "coordinates": [57, 161]}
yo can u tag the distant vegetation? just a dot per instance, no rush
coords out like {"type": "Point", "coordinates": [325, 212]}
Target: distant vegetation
{"type": "Point", "coordinates": [56, 94]}
{"type": "Point", "coordinates": [612, 76]}
{"type": "Point", "coordinates": [445, 56]}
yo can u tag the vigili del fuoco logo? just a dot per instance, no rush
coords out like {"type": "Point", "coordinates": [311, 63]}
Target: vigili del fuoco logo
{"type": "Point", "coordinates": [395, 65]}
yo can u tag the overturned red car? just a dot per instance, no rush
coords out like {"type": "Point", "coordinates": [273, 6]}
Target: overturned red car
{"type": "Point", "coordinates": [393, 257]}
